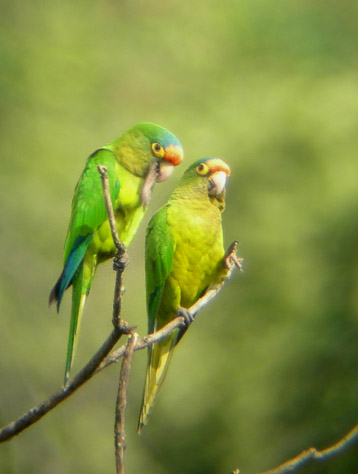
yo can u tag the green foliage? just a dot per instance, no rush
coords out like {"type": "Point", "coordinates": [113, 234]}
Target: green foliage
{"type": "Point", "coordinates": [271, 87]}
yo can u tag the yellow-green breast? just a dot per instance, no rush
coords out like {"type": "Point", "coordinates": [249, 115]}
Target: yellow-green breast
{"type": "Point", "coordinates": [129, 212]}
{"type": "Point", "coordinates": [198, 252]}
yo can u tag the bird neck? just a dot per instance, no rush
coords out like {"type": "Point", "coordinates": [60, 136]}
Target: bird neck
{"type": "Point", "coordinates": [198, 195]}
{"type": "Point", "coordinates": [189, 192]}
{"type": "Point", "coordinates": [131, 153]}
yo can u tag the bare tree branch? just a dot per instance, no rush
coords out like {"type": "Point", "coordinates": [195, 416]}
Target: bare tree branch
{"type": "Point", "coordinates": [120, 327]}
{"type": "Point", "coordinates": [99, 361]}
{"type": "Point", "coordinates": [176, 323]}
{"type": "Point", "coordinates": [120, 260]}
{"type": "Point", "coordinates": [121, 405]}
{"type": "Point", "coordinates": [109, 208]}
{"type": "Point", "coordinates": [312, 454]}
{"type": "Point", "coordinates": [44, 407]}
{"type": "Point", "coordinates": [349, 439]}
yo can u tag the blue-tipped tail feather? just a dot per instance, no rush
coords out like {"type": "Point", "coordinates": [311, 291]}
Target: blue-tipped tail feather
{"type": "Point", "coordinates": [71, 266]}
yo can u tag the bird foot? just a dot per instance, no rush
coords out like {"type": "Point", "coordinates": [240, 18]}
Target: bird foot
{"type": "Point", "coordinates": [231, 259]}
{"type": "Point", "coordinates": [120, 262]}
{"type": "Point", "coordinates": [186, 314]}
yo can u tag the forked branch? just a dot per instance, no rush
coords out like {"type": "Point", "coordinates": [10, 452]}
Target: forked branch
{"type": "Point", "coordinates": [100, 360]}
{"type": "Point", "coordinates": [103, 358]}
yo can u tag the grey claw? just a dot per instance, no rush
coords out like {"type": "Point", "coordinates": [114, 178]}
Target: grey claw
{"type": "Point", "coordinates": [186, 314]}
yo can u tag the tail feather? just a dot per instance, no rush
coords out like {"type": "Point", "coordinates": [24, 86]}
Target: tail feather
{"type": "Point", "coordinates": [79, 297]}
{"type": "Point", "coordinates": [72, 264]}
{"type": "Point", "coordinates": [160, 355]}
{"type": "Point", "coordinates": [55, 294]}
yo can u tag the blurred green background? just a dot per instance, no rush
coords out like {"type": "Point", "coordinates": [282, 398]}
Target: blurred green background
{"type": "Point", "coordinates": [270, 368]}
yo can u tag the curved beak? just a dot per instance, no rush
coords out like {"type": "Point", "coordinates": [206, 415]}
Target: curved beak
{"type": "Point", "coordinates": [217, 183]}
{"type": "Point", "coordinates": [161, 170]}
{"type": "Point", "coordinates": [173, 156]}
{"type": "Point", "coordinates": [164, 170]}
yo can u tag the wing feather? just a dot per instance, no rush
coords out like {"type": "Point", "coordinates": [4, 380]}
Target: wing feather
{"type": "Point", "coordinates": [158, 261]}
{"type": "Point", "coordinates": [88, 209]}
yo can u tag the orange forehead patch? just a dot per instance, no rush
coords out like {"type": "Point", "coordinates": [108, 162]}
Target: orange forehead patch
{"type": "Point", "coordinates": [174, 154]}
{"type": "Point", "coordinates": [215, 164]}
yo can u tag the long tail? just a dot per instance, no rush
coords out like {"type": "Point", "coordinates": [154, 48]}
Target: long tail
{"type": "Point", "coordinates": [73, 274]}
{"type": "Point", "coordinates": [79, 296]}
{"type": "Point", "coordinates": [159, 357]}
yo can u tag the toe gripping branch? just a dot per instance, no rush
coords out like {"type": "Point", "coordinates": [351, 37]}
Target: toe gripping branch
{"type": "Point", "coordinates": [120, 260]}
{"type": "Point", "coordinates": [186, 314]}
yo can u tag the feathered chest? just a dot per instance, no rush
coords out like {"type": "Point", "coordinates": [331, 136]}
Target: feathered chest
{"type": "Point", "coordinates": [198, 247]}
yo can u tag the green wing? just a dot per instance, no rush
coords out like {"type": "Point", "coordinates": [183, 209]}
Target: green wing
{"type": "Point", "coordinates": [158, 261]}
{"type": "Point", "coordinates": [88, 208]}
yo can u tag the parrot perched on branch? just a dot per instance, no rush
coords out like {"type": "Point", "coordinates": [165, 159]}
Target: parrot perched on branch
{"type": "Point", "coordinates": [184, 256]}
{"type": "Point", "coordinates": [140, 157]}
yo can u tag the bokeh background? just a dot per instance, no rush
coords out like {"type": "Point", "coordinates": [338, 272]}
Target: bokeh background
{"type": "Point", "coordinates": [270, 368]}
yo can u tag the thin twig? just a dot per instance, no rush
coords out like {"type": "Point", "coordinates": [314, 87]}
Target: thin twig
{"type": "Point", "coordinates": [40, 410]}
{"type": "Point", "coordinates": [350, 438]}
{"type": "Point", "coordinates": [37, 412]}
{"type": "Point", "coordinates": [295, 463]}
{"type": "Point", "coordinates": [312, 454]}
{"type": "Point", "coordinates": [109, 208]}
{"type": "Point", "coordinates": [33, 415]}
{"type": "Point", "coordinates": [157, 336]}
{"type": "Point", "coordinates": [120, 260]}
{"type": "Point", "coordinates": [121, 405]}
{"type": "Point", "coordinates": [231, 259]}
{"type": "Point", "coordinates": [98, 362]}
{"type": "Point", "coordinates": [176, 323]}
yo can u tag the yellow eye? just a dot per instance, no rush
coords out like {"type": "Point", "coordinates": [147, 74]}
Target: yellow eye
{"type": "Point", "coordinates": [202, 169]}
{"type": "Point", "coordinates": [157, 149]}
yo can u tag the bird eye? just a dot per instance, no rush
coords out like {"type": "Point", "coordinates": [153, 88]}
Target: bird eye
{"type": "Point", "coordinates": [157, 149]}
{"type": "Point", "coordinates": [202, 169]}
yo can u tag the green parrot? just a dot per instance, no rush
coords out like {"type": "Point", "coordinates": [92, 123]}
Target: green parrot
{"type": "Point", "coordinates": [140, 157]}
{"type": "Point", "coordinates": [184, 256]}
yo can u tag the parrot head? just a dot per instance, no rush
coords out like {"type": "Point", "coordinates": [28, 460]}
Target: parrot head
{"type": "Point", "coordinates": [205, 179]}
{"type": "Point", "coordinates": [149, 151]}
{"type": "Point", "coordinates": [210, 174]}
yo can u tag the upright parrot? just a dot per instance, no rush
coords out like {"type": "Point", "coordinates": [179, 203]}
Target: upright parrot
{"type": "Point", "coordinates": [184, 256]}
{"type": "Point", "coordinates": [141, 156]}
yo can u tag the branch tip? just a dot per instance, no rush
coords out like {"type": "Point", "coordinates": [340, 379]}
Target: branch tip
{"type": "Point", "coordinates": [231, 259]}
